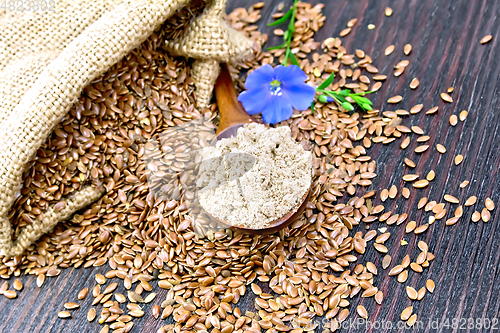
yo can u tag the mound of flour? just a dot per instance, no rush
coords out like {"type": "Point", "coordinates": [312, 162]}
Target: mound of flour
{"type": "Point", "coordinates": [254, 178]}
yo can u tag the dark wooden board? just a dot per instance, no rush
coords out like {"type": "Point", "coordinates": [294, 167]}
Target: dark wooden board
{"type": "Point", "coordinates": [446, 53]}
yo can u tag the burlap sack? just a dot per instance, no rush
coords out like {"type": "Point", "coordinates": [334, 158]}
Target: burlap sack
{"type": "Point", "coordinates": [47, 58]}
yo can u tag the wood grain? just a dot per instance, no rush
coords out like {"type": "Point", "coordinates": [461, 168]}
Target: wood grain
{"type": "Point", "coordinates": [446, 53]}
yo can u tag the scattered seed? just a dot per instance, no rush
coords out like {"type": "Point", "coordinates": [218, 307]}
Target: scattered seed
{"type": "Point", "coordinates": [83, 293]}
{"type": "Point", "coordinates": [440, 148]}
{"type": "Point", "coordinates": [405, 143]}
{"type": "Point", "coordinates": [362, 311]}
{"type": "Point", "coordinates": [410, 226]}
{"type": "Point", "coordinates": [421, 183]}
{"type": "Point", "coordinates": [40, 279]}
{"type": "Point", "coordinates": [417, 108]}
{"type": "Point", "coordinates": [345, 32]}
{"type": "Point", "coordinates": [453, 120]}
{"type": "Point", "coordinates": [64, 314]}
{"type": "Point", "coordinates": [411, 292]}
{"type": "Point", "coordinates": [380, 248]}
{"type": "Point", "coordinates": [458, 159]}
{"type": "Point", "coordinates": [464, 183]}
{"type": "Point", "coordinates": [393, 191]}
{"type": "Point", "coordinates": [405, 192]}
{"type": "Point", "coordinates": [409, 163]}
{"type": "Point", "coordinates": [463, 115]}
{"type": "Point", "coordinates": [412, 320]}
{"type": "Point", "coordinates": [371, 26]}
{"type": "Point", "coordinates": [485, 39]}
{"type": "Point", "coordinates": [430, 286]}
{"type": "Point", "coordinates": [430, 176]}
{"type": "Point", "coordinates": [410, 178]}
{"type": "Point", "coordinates": [403, 276]}
{"type": "Point", "coordinates": [490, 205]}
{"type": "Point", "coordinates": [414, 84]}
{"type": "Point", "coordinates": [476, 216]}
{"type": "Point", "coordinates": [407, 49]}
{"type": "Point", "coordinates": [388, 11]}
{"type": "Point", "coordinates": [379, 297]}
{"type": "Point", "coordinates": [384, 195]}
{"type": "Point", "coordinates": [432, 110]}
{"type": "Point", "coordinates": [416, 267]}
{"type": "Point", "coordinates": [421, 293]}
{"type": "Point", "coordinates": [352, 22]}
{"type": "Point", "coordinates": [71, 306]}
{"type": "Point", "coordinates": [10, 293]}
{"type": "Point", "coordinates": [405, 315]}
{"type": "Point", "coordinates": [447, 98]}
{"type": "Point", "coordinates": [389, 50]}
{"type": "Point", "coordinates": [450, 198]}
{"type": "Point", "coordinates": [485, 215]}
{"type": "Point", "coordinates": [421, 229]}
{"type": "Point", "coordinates": [100, 279]}
{"type": "Point", "coordinates": [417, 130]}
{"type": "Point", "coordinates": [386, 261]}
{"type": "Point", "coordinates": [17, 285]}
{"type": "Point", "coordinates": [395, 99]}
{"type": "Point", "coordinates": [422, 202]}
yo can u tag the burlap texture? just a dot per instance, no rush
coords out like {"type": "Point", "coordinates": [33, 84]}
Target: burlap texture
{"type": "Point", "coordinates": [47, 58]}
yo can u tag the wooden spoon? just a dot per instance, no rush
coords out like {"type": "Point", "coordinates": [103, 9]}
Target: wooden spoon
{"type": "Point", "coordinates": [233, 116]}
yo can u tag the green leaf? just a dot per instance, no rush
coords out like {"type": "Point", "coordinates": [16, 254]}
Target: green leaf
{"type": "Point", "coordinates": [347, 106]}
{"type": "Point", "coordinates": [366, 106]}
{"type": "Point", "coordinates": [293, 60]}
{"type": "Point", "coordinates": [312, 107]}
{"type": "Point", "coordinates": [277, 47]}
{"type": "Point", "coordinates": [282, 19]}
{"type": "Point", "coordinates": [327, 82]}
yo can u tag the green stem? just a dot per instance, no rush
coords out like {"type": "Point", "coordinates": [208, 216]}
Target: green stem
{"type": "Point", "coordinates": [288, 40]}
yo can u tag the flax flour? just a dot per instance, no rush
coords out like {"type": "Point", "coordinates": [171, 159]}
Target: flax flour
{"type": "Point", "coordinates": [254, 178]}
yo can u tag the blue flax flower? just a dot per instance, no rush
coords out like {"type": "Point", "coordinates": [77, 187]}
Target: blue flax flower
{"type": "Point", "coordinates": [276, 91]}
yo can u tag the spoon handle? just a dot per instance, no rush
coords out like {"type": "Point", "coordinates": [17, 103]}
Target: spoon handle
{"type": "Point", "coordinates": [231, 111]}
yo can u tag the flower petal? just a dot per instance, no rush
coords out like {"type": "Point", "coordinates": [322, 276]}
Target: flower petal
{"type": "Point", "coordinates": [255, 100]}
{"type": "Point", "coordinates": [260, 77]}
{"type": "Point", "coordinates": [278, 109]}
{"type": "Point", "coordinates": [289, 75]}
{"type": "Point", "coordinates": [300, 95]}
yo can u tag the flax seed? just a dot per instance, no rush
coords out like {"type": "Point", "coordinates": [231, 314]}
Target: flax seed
{"type": "Point", "coordinates": [395, 99]}
{"type": "Point", "coordinates": [450, 198]}
{"type": "Point", "coordinates": [432, 110]}
{"type": "Point", "coordinates": [405, 315]}
{"type": "Point", "coordinates": [388, 11]}
{"type": "Point", "coordinates": [409, 163]}
{"type": "Point", "coordinates": [362, 311]}
{"type": "Point", "coordinates": [485, 39]}
{"type": "Point", "coordinates": [485, 215]}
{"type": "Point", "coordinates": [453, 120]}
{"type": "Point", "coordinates": [413, 85]}
{"type": "Point", "coordinates": [489, 204]}
{"type": "Point", "coordinates": [420, 183]}
{"type": "Point", "coordinates": [458, 159]}
{"type": "Point", "coordinates": [393, 191]}
{"type": "Point", "coordinates": [389, 50]}
{"type": "Point", "coordinates": [476, 216]}
{"type": "Point", "coordinates": [417, 108]}
{"type": "Point", "coordinates": [411, 292]}
{"type": "Point", "coordinates": [407, 49]}
{"type": "Point", "coordinates": [430, 286]}
{"type": "Point", "coordinates": [463, 115]}
{"type": "Point", "coordinates": [447, 98]}
{"type": "Point", "coordinates": [403, 276]}
{"type": "Point", "coordinates": [64, 314]}
{"type": "Point", "coordinates": [440, 148]}
{"type": "Point", "coordinates": [410, 178]}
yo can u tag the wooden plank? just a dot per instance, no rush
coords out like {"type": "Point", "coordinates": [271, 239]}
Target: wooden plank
{"type": "Point", "coordinates": [446, 52]}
